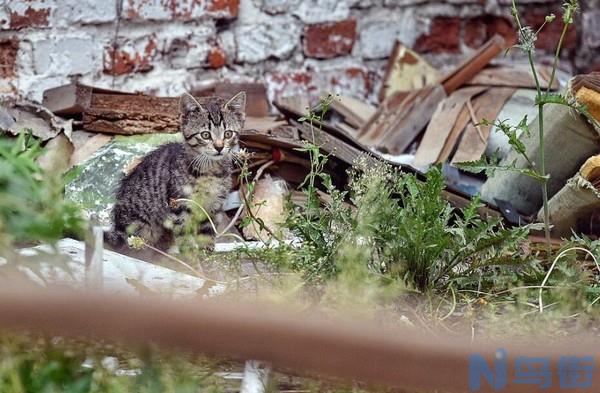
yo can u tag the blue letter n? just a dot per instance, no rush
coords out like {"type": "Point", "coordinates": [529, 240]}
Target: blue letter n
{"type": "Point", "coordinates": [479, 368]}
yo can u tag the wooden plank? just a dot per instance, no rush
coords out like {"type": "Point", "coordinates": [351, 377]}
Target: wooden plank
{"type": "Point", "coordinates": [509, 76]}
{"type": "Point", "coordinates": [133, 114]}
{"type": "Point", "coordinates": [398, 121]}
{"type": "Point", "coordinates": [355, 112]}
{"type": "Point", "coordinates": [461, 122]}
{"type": "Point", "coordinates": [441, 125]}
{"type": "Point", "coordinates": [406, 71]}
{"type": "Point", "coordinates": [412, 120]}
{"type": "Point", "coordinates": [330, 144]}
{"type": "Point", "coordinates": [72, 99]}
{"type": "Point", "coordinates": [473, 64]}
{"type": "Point", "coordinates": [68, 100]}
{"type": "Point", "coordinates": [129, 115]}
{"type": "Point", "coordinates": [398, 104]}
{"type": "Point", "coordinates": [487, 106]}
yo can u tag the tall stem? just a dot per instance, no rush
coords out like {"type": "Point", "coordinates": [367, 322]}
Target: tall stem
{"type": "Point", "coordinates": [559, 47]}
{"type": "Point", "coordinates": [544, 182]}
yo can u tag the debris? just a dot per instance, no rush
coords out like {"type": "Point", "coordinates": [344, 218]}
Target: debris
{"type": "Point", "coordinates": [72, 99]}
{"type": "Point", "coordinates": [268, 205]}
{"type": "Point", "coordinates": [355, 113]}
{"type": "Point", "coordinates": [57, 155]}
{"type": "Point", "coordinates": [138, 114]}
{"type": "Point", "coordinates": [406, 71]}
{"type": "Point", "coordinates": [23, 116]}
{"type": "Point", "coordinates": [401, 117]}
{"type": "Point", "coordinates": [569, 140]}
{"type": "Point", "coordinates": [121, 274]}
{"type": "Point", "coordinates": [441, 125]}
{"type": "Point", "coordinates": [577, 200]}
{"type": "Point", "coordinates": [475, 137]}
{"type": "Point", "coordinates": [518, 75]}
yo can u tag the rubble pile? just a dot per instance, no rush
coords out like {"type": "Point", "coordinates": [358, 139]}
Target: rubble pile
{"type": "Point", "coordinates": [96, 135]}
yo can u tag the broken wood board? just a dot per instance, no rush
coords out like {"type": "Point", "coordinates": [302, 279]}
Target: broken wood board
{"type": "Point", "coordinates": [355, 112]}
{"type": "Point", "coordinates": [406, 71]}
{"type": "Point", "coordinates": [398, 122]}
{"type": "Point", "coordinates": [127, 115]}
{"type": "Point", "coordinates": [472, 65]}
{"type": "Point", "coordinates": [262, 124]}
{"type": "Point", "coordinates": [457, 129]}
{"type": "Point", "coordinates": [293, 106]}
{"type": "Point", "coordinates": [486, 107]}
{"type": "Point", "coordinates": [511, 76]}
{"type": "Point", "coordinates": [441, 125]}
{"type": "Point", "coordinates": [330, 144]}
{"type": "Point", "coordinates": [72, 99]}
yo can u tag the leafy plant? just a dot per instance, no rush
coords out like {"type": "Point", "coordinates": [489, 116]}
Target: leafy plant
{"type": "Point", "coordinates": [32, 207]}
{"type": "Point", "coordinates": [398, 227]}
{"type": "Point", "coordinates": [527, 37]}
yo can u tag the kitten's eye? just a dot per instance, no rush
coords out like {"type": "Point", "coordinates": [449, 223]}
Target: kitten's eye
{"type": "Point", "coordinates": [205, 135]}
{"type": "Point", "coordinates": [228, 134]}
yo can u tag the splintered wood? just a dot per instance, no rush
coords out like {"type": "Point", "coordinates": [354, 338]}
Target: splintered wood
{"type": "Point", "coordinates": [139, 114]}
{"type": "Point", "coordinates": [406, 71]}
{"type": "Point", "coordinates": [401, 117]}
{"type": "Point", "coordinates": [475, 137]}
{"type": "Point", "coordinates": [441, 125]}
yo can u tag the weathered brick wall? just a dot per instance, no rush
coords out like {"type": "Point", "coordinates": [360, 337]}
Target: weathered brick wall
{"type": "Point", "coordinates": [167, 46]}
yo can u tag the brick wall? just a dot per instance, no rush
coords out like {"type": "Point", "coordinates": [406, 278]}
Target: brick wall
{"type": "Point", "coordinates": [167, 46]}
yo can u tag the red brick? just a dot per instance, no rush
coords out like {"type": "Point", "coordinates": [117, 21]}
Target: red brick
{"type": "Point", "coordinates": [327, 40]}
{"type": "Point", "coordinates": [549, 36]}
{"type": "Point", "coordinates": [32, 17]}
{"type": "Point", "coordinates": [230, 8]}
{"type": "Point", "coordinates": [8, 57]}
{"type": "Point", "coordinates": [128, 60]}
{"type": "Point", "coordinates": [443, 36]}
{"type": "Point", "coordinates": [217, 57]}
{"type": "Point", "coordinates": [481, 28]}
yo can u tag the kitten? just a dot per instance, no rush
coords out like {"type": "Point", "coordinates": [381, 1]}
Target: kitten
{"type": "Point", "coordinates": [146, 199]}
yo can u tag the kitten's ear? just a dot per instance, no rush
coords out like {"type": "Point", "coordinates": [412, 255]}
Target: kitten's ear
{"type": "Point", "coordinates": [237, 103]}
{"type": "Point", "coordinates": [188, 104]}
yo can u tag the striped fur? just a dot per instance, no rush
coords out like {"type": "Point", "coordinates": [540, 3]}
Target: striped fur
{"type": "Point", "coordinates": [202, 164]}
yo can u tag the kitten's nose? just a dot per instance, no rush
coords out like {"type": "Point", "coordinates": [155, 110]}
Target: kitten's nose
{"type": "Point", "coordinates": [218, 148]}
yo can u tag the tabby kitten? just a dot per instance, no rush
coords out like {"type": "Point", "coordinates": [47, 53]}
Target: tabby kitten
{"type": "Point", "coordinates": [146, 198]}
